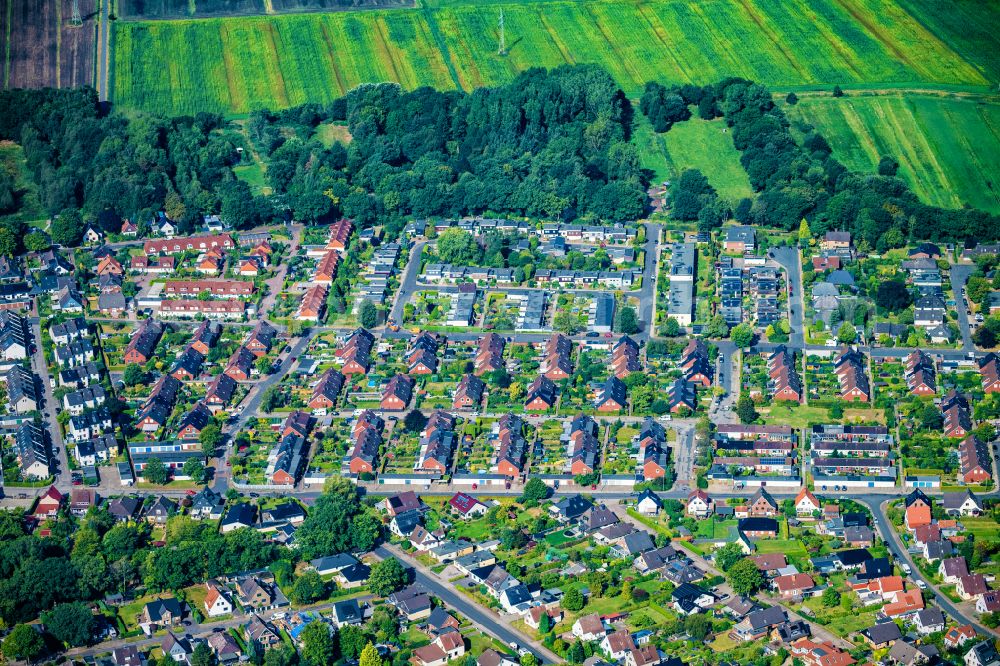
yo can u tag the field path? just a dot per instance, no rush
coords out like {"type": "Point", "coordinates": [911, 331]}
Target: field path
{"type": "Point", "coordinates": [331, 55]}
{"type": "Point", "coordinates": [442, 45]}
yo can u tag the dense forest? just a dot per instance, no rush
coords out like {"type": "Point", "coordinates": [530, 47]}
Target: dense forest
{"type": "Point", "coordinates": [798, 180]}
{"type": "Point", "coordinates": [551, 144]}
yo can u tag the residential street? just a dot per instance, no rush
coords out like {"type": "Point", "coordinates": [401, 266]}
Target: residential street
{"type": "Point", "coordinates": [488, 621]}
{"type": "Point", "coordinates": [959, 276]}
{"type": "Point", "coordinates": [49, 422]}
{"type": "Point", "coordinates": [895, 546]}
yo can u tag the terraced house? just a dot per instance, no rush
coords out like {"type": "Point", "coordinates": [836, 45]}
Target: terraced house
{"type": "Point", "coordinates": [355, 352]}
{"type": "Point", "coordinates": [782, 369]}
{"type": "Point", "coordinates": [367, 438]}
{"type": "Point", "coordinates": [921, 374]}
{"type": "Point", "coordinates": [582, 445]}
{"type": "Point", "coordinates": [489, 354]}
{"type": "Point", "coordinates": [556, 363]}
{"type": "Point", "coordinates": [143, 343]}
{"type": "Point", "coordinates": [510, 445]}
{"type": "Point", "coordinates": [849, 365]}
{"type": "Point", "coordinates": [696, 363]}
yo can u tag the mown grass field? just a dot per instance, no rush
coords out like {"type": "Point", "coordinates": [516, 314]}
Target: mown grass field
{"type": "Point", "coordinates": [948, 148]}
{"type": "Point", "coordinates": [234, 65]}
{"type": "Point", "coordinates": [706, 145]}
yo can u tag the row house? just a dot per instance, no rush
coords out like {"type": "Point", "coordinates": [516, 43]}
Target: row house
{"type": "Point", "coordinates": [83, 399]}
{"type": "Point", "coordinates": [489, 354]}
{"type": "Point", "coordinates": [422, 354]}
{"type": "Point", "coordinates": [921, 375]}
{"type": "Point", "coordinates": [785, 382]}
{"type": "Point", "coordinates": [219, 392]}
{"type": "Point", "coordinates": [326, 269]}
{"type": "Point", "coordinates": [146, 265]}
{"type": "Point", "coordinates": [21, 394]}
{"type": "Point", "coordinates": [83, 376]}
{"type": "Point", "coordinates": [240, 365]}
{"type": "Point", "coordinates": [783, 466]}
{"type": "Point", "coordinates": [469, 392]}
{"type": "Point", "coordinates": [510, 445]}
{"type": "Point", "coordinates": [261, 339]}
{"type": "Point", "coordinates": [975, 464]}
{"type": "Point", "coordinates": [69, 331]}
{"type": "Point", "coordinates": [188, 365]}
{"type": "Point", "coordinates": [437, 444]}
{"type": "Point", "coordinates": [32, 452]}
{"type": "Point", "coordinates": [451, 273]}
{"type": "Point", "coordinates": [89, 425]}
{"type": "Point", "coordinates": [612, 396]}
{"type": "Point", "coordinates": [142, 346]}
{"type": "Point", "coordinates": [366, 436]}
{"type": "Point", "coordinates": [989, 368]}
{"type": "Point", "coordinates": [829, 465]}
{"type": "Point", "coordinates": [696, 363]}
{"type": "Point", "coordinates": [193, 244]}
{"type": "Point", "coordinates": [193, 422]}
{"type": "Point", "coordinates": [759, 447]}
{"type": "Point", "coordinates": [556, 363]}
{"type": "Point", "coordinates": [287, 459]}
{"type": "Point", "coordinates": [159, 405]}
{"type": "Point", "coordinates": [858, 448]}
{"type": "Point", "coordinates": [214, 288]}
{"type": "Point", "coordinates": [540, 395]}
{"type": "Point", "coordinates": [849, 365]}
{"type": "Point", "coordinates": [397, 393]}
{"type": "Point", "coordinates": [205, 337]}
{"type": "Point", "coordinates": [340, 234]}
{"type": "Point", "coordinates": [97, 450]}
{"type": "Point", "coordinates": [74, 354]}
{"type": "Point", "coordinates": [355, 352]}
{"type": "Point", "coordinates": [682, 395]}
{"type": "Point", "coordinates": [654, 453]}
{"type": "Point", "coordinates": [313, 303]}
{"type": "Point", "coordinates": [957, 415]}
{"type": "Point", "coordinates": [582, 445]}
{"type": "Point", "coordinates": [735, 431]}
{"type": "Point", "coordinates": [188, 308]}
{"type": "Point", "coordinates": [326, 392]}
{"type": "Point", "coordinates": [608, 279]}
{"type": "Point", "coordinates": [625, 357]}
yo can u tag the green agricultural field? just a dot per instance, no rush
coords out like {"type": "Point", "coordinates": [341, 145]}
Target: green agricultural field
{"type": "Point", "coordinates": [707, 146]}
{"type": "Point", "coordinates": [948, 148]}
{"type": "Point", "coordinates": [234, 65]}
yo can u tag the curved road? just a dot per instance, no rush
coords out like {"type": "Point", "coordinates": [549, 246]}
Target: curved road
{"type": "Point", "coordinates": [899, 552]}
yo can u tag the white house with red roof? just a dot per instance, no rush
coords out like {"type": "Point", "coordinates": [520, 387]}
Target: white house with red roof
{"type": "Point", "coordinates": [467, 506]}
{"type": "Point", "coordinates": [806, 503]}
{"type": "Point", "coordinates": [49, 504]}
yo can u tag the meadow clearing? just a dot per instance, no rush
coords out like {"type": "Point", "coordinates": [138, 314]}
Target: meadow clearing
{"type": "Point", "coordinates": [234, 65]}
{"type": "Point", "coordinates": [948, 149]}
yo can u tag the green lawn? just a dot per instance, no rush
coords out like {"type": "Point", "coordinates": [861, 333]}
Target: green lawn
{"type": "Point", "coordinates": [982, 528]}
{"type": "Point", "coordinates": [948, 149]}
{"type": "Point", "coordinates": [707, 146]}
{"type": "Point", "coordinates": [235, 65]}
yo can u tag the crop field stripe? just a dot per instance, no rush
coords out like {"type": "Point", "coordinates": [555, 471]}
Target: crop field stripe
{"type": "Point", "coordinates": [968, 27]}
{"type": "Point", "coordinates": [763, 22]}
{"type": "Point", "coordinates": [948, 149]}
{"type": "Point", "coordinates": [653, 21]}
{"type": "Point", "coordinates": [276, 61]}
{"type": "Point", "coordinates": [431, 26]}
{"type": "Point", "coordinates": [330, 54]}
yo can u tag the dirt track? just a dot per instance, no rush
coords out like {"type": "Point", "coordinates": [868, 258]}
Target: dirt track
{"type": "Point", "coordinates": [44, 49]}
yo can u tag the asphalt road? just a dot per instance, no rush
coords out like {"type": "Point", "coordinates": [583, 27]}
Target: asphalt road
{"type": "Point", "coordinates": [251, 405]}
{"type": "Point", "coordinates": [408, 282]}
{"type": "Point", "coordinates": [49, 422]}
{"type": "Point", "coordinates": [789, 258]}
{"type": "Point", "coordinates": [647, 294]}
{"type": "Point", "coordinates": [895, 546]}
{"type": "Point", "coordinates": [959, 276]}
{"type": "Point", "coordinates": [482, 618]}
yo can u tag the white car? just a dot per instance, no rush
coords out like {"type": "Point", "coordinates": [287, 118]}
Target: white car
{"type": "Point", "coordinates": [922, 585]}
